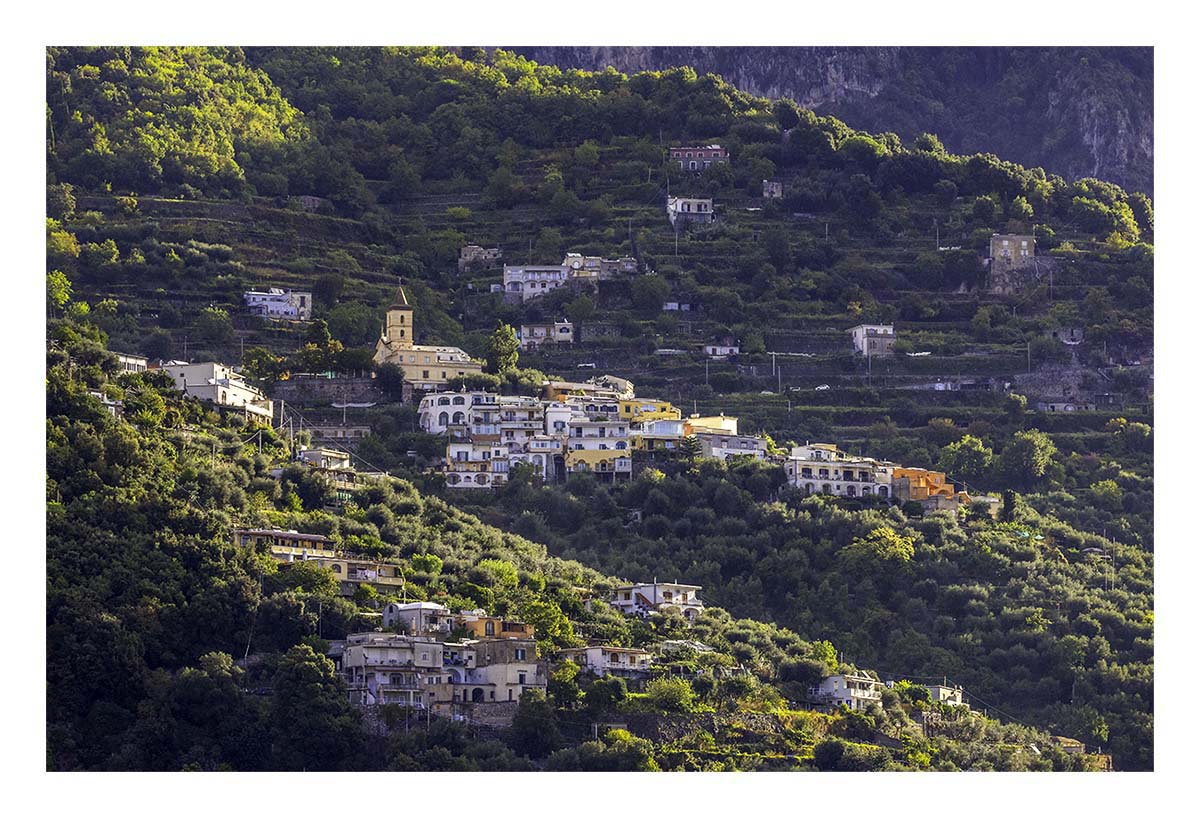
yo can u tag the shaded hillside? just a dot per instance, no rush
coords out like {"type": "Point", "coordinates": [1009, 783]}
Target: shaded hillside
{"type": "Point", "coordinates": [1074, 111]}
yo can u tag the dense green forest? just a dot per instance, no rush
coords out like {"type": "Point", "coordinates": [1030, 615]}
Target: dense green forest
{"type": "Point", "coordinates": [172, 182]}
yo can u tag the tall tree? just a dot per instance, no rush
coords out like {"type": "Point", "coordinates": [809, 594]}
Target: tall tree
{"type": "Point", "coordinates": [502, 350]}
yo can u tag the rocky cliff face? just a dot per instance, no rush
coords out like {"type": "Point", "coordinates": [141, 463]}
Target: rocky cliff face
{"type": "Point", "coordinates": [1074, 111]}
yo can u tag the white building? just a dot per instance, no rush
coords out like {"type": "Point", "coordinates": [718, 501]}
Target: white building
{"type": "Point", "coordinates": [325, 458]}
{"type": "Point", "coordinates": [598, 268]}
{"type": "Point", "coordinates": [219, 384]}
{"type": "Point", "coordinates": [419, 618]}
{"type": "Point", "coordinates": [388, 668]}
{"type": "Point", "coordinates": [540, 452]}
{"type": "Point", "coordinates": [873, 339]}
{"type": "Point", "coordinates": [605, 660]}
{"type": "Point", "coordinates": [721, 351]}
{"type": "Point", "coordinates": [724, 446]}
{"type": "Point", "coordinates": [683, 212]}
{"type": "Point", "coordinates": [947, 695]}
{"type": "Point", "coordinates": [277, 303]}
{"type": "Point", "coordinates": [525, 282]}
{"type": "Point", "coordinates": [855, 691]}
{"type": "Point", "coordinates": [438, 412]}
{"type": "Point", "coordinates": [132, 363]}
{"type": "Point", "coordinates": [641, 599]}
{"type": "Point", "coordinates": [821, 468]}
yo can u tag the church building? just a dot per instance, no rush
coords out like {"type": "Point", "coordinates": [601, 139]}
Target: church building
{"type": "Point", "coordinates": [425, 367]}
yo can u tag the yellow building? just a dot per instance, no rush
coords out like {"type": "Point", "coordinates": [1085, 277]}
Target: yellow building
{"type": "Point", "coordinates": [657, 435]}
{"type": "Point", "coordinates": [600, 461]}
{"type": "Point", "coordinates": [351, 570]}
{"type": "Point", "coordinates": [425, 367]}
{"type": "Point", "coordinates": [636, 411]}
{"type": "Point", "coordinates": [716, 424]}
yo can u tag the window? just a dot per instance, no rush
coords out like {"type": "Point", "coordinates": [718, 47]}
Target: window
{"type": "Point", "coordinates": [520, 654]}
{"type": "Point", "coordinates": [521, 678]}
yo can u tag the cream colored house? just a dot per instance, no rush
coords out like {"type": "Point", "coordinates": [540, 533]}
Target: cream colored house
{"type": "Point", "coordinates": [426, 367]}
{"type": "Point", "coordinates": [873, 339]}
{"type": "Point", "coordinates": [715, 424]}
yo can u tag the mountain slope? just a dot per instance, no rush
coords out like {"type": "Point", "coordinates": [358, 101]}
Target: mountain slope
{"type": "Point", "coordinates": [1074, 111]}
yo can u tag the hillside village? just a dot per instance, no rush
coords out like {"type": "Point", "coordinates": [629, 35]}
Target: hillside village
{"type": "Point", "coordinates": [457, 499]}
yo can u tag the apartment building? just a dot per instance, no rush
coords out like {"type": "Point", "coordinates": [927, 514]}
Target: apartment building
{"type": "Point", "coordinates": [657, 435]}
{"type": "Point", "coordinates": [475, 464]}
{"type": "Point", "coordinates": [599, 446]}
{"type": "Point", "coordinates": [528, 281]}
{"type": "Point", "coordinates": [823, 468]}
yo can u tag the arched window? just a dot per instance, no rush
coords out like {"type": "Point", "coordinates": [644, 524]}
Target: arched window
{"type": "Point", "coordinates": [458, 417]}
{"type": "Point", "coordinates": [808, 487]}
{"type": "Point", "coordinates": [850, 492]}
{"type": "Point", "coordinates": [825, 488]}
{"type": "Point", "coordinates": [443, 401]}
{"type": "Point", "coordinates": [337, 569]}
{"type": "Point", "coordinates": [481, 479]}
{"type": "Point", "coordinates": [883, 491]}
{"type": "Point", "coordinates": [452, 479]}
{"type": "Point", "coordinates": [443, 419]}
{"type": "Point", "coordinates": [459, 401]}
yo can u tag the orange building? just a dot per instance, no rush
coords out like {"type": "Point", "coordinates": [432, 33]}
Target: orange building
{"type": "Point", "coordinates": [920, 484]}
{"type": "Point", "coordinates": [482, 626]}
